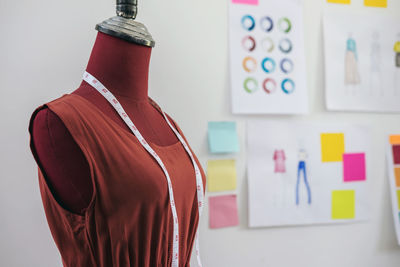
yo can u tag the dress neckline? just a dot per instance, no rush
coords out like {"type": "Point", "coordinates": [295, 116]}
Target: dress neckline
{"type": "Point", "coordinates": [129, 133]}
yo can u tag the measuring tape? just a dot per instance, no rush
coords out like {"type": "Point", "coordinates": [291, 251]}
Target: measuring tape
{"type": "Point", "coordinates": [87, 77]}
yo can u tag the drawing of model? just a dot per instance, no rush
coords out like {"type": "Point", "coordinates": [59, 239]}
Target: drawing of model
{"type": "Point", "coordinates": [352, 77]}
{"type": "Point", "coordinates": [375, 77]}
{"type": "Point", "coordinates": [302, 169]}
{"type": "Point", "coordinates": [279, 198]}
{"type": "Point", "coordinates": [279, 158]}
{"type": "Point", "coordinates": [396, 50]}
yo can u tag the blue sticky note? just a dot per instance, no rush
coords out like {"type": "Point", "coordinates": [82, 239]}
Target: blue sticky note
{"type": "Point", "coordinates": [222, 137]}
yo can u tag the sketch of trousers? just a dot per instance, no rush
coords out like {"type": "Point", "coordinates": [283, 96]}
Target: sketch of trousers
{"type": "Point", "coordinates": [302, 169]}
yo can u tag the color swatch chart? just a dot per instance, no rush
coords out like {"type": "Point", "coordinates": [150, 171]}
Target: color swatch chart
{"type": "Point", "coordinates": [393, 160]}
{"type": "Point", "coordinates": [267, 57]}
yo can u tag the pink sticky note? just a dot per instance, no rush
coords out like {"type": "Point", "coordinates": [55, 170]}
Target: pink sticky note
{"type": "Point", "coordinates": [354, 167]}
{"type": "Point", "coordinates": [223, 211]}
{"type": "Point", "coordinates": [246, 2]}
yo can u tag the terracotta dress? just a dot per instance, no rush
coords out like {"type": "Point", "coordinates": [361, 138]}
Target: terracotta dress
{"type": "Point", "coordinates": [129, 220]}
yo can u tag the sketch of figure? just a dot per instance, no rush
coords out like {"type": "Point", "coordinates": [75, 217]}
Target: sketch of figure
{"type": "Point", "coordinates": [375, 77]}
{"type": "Point", "coordinates": [396, 50]}
{"type": "Point", "coordinates": [352, 76]}
{"type": "Point", "coordinates": [302, 169]}
{"type": "Point", "coordinates": [279, 158]}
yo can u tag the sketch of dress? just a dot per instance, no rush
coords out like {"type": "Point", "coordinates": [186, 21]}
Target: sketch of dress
{"type": "Point", "coordinates": [279, 158]}
{"type": "Point", "coordinates": [396, 50]}
{"type": "Point", "coordinates": [351, 63]}
{"type": "Point", "coordinates": [375, 77]}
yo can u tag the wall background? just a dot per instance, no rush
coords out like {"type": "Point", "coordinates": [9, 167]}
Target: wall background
{"type": "Point", "coordinates": [44, 48]}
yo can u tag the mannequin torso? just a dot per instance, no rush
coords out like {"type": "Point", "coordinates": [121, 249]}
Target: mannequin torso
{"type": "Point", "coordinates": [123, 68]}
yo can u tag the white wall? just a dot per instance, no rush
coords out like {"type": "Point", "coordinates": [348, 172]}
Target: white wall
{"type": "Point", "coordinates": [44, 48]}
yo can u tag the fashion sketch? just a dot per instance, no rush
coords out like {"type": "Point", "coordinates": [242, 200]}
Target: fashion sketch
{"type": "Point", "coordinates": [396, 49]}
{"type": "Point", "coordinates": [280, 195]}
{"type": "Point", "coordinates": [279, 158]}
{"type": "Point", "coordinates": [376, 85]}
{"type": "Point", "coordinates": [302, 171]}
{"type": "Point", "coordinates": [352, 76]}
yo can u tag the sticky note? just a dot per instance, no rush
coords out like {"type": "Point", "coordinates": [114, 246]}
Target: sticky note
{"type": "Point", "coordinates": [221, 175]}
{"type": "Point", "coordinates": [394, 139]}
{"type": "Point", "coordinates": [348, 2]}
{"type": "Point", "coordinates": [398, 199]}
{"type": "Point", "coordinates": [343, 204]}
{"type": "Point", "coordinates": [223, 211]}
{"type": "Point", "coordinates": [332, 147]}
{"type": "Point", "coordinates": [396, 154]}
{"type": "Point", "coordinates": [222, 137]}
{"type": "Point", "coordinates": [354, 167]}
{"type": "Point", "coordinates": [375, 3]}
{"type": "Point", "coordinates": [245, 2]}
{"type": "Point", "coordinates": [397, 176]}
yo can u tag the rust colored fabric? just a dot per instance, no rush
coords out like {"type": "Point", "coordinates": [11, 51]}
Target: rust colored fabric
{"type": "Point", "coordinates": [129, 220]}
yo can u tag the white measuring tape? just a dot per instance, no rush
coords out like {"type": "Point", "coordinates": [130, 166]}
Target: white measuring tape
{"type": "Point", "coordinates": [199, 182]}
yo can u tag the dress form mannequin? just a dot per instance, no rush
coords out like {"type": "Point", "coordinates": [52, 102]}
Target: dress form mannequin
{"type": "Point", "coordinates": [122, 65]}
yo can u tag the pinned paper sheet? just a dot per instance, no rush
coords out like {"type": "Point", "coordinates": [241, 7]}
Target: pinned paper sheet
{"type": "Point", "coordinates": [332, 147]}
{"type": "Point", "coordinates": [375, 3]}
{"type": "Point", "coordinates": [221, 175]}
{"type": "Point", "coordinates": [343, 204]}
{"type": "Point", "coordinates": [354, 167]}
{"type": "Point", "coordinates": [246, 2]}
{"type": "Point", "coordinates": [223, 211]}
{"type": "Point", "coordinates": [361, 70]}
{"type": "Point", "coordinates": [267, 63]}
{"type": "Point", "coordinates": [222, 137]}
{"type": "Point", "coordinates": [348, 2]}
{"type": "Point", "coordinates": [392, 159]}
{"type": "Point", "coordinates": [288, 184]}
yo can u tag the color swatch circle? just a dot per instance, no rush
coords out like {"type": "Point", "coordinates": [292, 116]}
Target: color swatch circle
{"type": "Point", "coordinates": [248, 22]}
{"type": "Point", "coordinates": [288, 86]}
{"type": "Point", "coordinates": [269, 85]}
{"type": "Point", "coordinates": [249, 43]}
{"type": "Point", "coordinates": [266, 24]}
{"type": "Point", "coordinates": [268, 65]}
{"type": "Point", "coordinates": [285, 45]}
{"type": "Point", "coordinates": [268, 44]}
{"type": "Point", "coordinates": [250, 85]}
{"type": "Point", "coordinates": [286, 65]}
{"type": "Point", "coordinates": [284, 25]}
{"type": "Point", "coordinates": [249, 64]}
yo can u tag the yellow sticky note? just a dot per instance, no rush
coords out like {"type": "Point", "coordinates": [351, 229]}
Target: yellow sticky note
{"type": "Point", "coordinates": [332, 147]}
{"type": "Point", "coordinates": [221, 175]}
{"type": "Point", "coordinates": [343, 204]}
{"type": "Point", "coordinates": [348, 2]}
{"type": "Point", "coordinates": [398, 199]}
{"type": "Point", "coordinates": [376, 3]}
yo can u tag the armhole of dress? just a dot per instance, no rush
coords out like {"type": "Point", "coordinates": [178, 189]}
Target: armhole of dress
{"type": "Point", "coordinates": [42, 173]}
